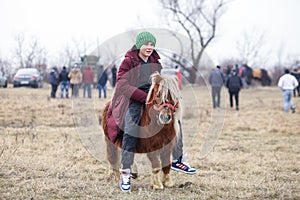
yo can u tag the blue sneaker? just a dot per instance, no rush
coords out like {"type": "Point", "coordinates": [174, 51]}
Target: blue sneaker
{"type": "Point", "coordinates": [125, 176]}
{"type": "Point", "coordinates": [184, 167]}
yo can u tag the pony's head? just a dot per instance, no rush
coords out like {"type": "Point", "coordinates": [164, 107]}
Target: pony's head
{"type": "Point", "coordinates": [164, 97]}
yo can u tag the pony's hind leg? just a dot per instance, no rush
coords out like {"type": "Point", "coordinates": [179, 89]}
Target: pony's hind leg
{"type": "Point", "coordinates": [113, 154]}
{"type": "Point", "coordinates": [156, 182]}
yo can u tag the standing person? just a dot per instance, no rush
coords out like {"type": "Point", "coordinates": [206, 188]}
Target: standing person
{"type": "Point", "coordinates": [234, 84]}
{"type": "Point", "coordinates": [102, 80]}
{"type": "Point", "coordinates": [64, 82]}
{"type": "Point", "coordinates": [296, 73]}
{"type": "Point", "coordinates": [114, 75]}
{"type": "Point", "coordinates": [75, 76]}
{"type": "Point", "coordinates": [179, 76]}
{"type": "Point", "coordinates": [88, 81]}
{"type": "Point", "coordinates": [287, 83]}
{"type": "Point", "coordinates": [216, 80]}
{"type": "Point", "coordinates": [131, 92]}
{"type": "Point", "coordinates": [54, 81]}
{"type": "Point", "coordinates": [243, 74]}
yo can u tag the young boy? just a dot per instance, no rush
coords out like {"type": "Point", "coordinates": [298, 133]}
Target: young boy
{"type": "Point", "coordinates": [133, 82]}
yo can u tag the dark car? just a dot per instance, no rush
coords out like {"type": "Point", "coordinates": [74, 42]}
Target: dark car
{"type": "Point", "coordinates": [28, 77]}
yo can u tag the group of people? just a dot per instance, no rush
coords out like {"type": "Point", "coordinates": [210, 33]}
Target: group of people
{"type": "Point", "coordinates": [75, 78]}
{"type": "Point", "coordinates": [232, 80]}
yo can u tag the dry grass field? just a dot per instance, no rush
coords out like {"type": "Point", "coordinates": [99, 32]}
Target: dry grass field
{"type": "Point", "coordinates": [253, 153]}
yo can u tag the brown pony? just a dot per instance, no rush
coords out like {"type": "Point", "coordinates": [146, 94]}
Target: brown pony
{"type": "Point", "coordinates": [158, 129]}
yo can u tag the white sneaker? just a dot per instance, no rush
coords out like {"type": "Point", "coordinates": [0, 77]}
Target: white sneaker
{"type": "Point", "coordinates": [125, 176]}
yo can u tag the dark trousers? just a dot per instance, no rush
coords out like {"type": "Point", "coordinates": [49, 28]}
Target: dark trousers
{"type": "Point", "coordinates": [216, 96]}
{"type": "Point", "coordinates": [236, 96]}
{"type": "Point", "coordinates": [298, 90]}
{"type": "Point", "coordinates": [53, 90]}
{"type": "Point", "coordinates": [131, 135]}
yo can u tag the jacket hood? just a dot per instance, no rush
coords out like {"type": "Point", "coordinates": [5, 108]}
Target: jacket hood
{"type": "Point", "coordinates": [88, 67]}
{"type": "Point", "coordinates": [75, 71]}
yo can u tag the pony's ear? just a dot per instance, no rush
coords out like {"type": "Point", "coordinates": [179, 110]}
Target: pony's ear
{"type": "Point", "coordinates": [156, 78]}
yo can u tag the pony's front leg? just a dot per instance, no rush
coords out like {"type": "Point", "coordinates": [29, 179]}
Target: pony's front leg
{"type": "Point", "coordinates": [165, 158]}
{"type": "Point", "coordinates": [156, 182]}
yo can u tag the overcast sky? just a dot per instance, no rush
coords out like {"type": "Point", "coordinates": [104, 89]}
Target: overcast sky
{"type": "Point", "coordinates": [55, 22]}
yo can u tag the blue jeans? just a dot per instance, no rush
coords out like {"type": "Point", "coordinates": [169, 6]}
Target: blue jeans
{"type": "Point", "coordinates": [87, 87]}
{"type": "Point", "coordinates": [64, 85]}
{"type": "Point", "coordinates": [287, 100]}
{"type": "Point", "coordinates": [245, 85]}
{"type": "Point", "coordinates": [100, 88]}
{"type": "Point", "coordinates": [131, 135]}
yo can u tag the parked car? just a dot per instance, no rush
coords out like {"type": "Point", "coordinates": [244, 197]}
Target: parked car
{"type": "Point", "coordinates": [28, 77]}
{"type": "Point", "coordinates": [3, 80]}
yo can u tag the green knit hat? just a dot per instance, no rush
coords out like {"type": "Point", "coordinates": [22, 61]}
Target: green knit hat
{"type": "Point", "coordinates": [144, 37]}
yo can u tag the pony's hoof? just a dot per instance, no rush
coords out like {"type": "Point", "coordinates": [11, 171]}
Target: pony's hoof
{"type": "Point", "coordinates": [167, 180]}
{"type": "Point", "coordinates": [158, 187]}
{"type": "Point", "coordinates": [168, 184]}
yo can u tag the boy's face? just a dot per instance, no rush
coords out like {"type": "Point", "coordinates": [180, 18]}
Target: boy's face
{"type": "Point", "coordinates": [147, 49]}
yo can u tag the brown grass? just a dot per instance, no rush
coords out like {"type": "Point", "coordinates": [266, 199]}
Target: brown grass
{"type": "Point", "coordinates": [42, 156]}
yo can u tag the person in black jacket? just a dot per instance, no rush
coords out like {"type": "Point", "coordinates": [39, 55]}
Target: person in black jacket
{"type": "Point", "coordinates": [102, 80]}
{"type": "Point", "coordinates": [64, 82]}
{"type": "Point", "coordinates": [54, 81]}
{"type": "Point", "coordinates": [234, 85]}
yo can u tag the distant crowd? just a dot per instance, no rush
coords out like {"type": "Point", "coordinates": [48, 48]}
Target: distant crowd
{"type": "Point", "coordinates": [87, 79]}
{"type": "Point", "coordinates": [235, 78]}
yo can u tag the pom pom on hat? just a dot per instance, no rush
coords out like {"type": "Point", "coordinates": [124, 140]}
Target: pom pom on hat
{"type": "Point", "coordinates": [143, 38]}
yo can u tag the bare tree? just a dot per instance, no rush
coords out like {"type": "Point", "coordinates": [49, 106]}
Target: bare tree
{"type": "Point", "coordinates": [199, 20]}
{"type": "Point", "coordinates": [252, 48]}
{"type": "Point", "coordinates": [73, 51]}
{"type": "Point", "coordinates": [19, 50]}
{"type": "Point", "coordinates": [28, 51]}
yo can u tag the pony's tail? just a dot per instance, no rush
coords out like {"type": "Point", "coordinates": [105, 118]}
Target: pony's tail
{"type": "Point", "coordinates": [102, 119]}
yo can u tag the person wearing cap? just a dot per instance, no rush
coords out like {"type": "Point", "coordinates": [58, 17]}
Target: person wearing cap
{"type": "Point", "coordinates": [130, 95]}
{"type": "Point", "coordinates": [216, 79]}
{"type": "Point", "coordinates": [287, 83]}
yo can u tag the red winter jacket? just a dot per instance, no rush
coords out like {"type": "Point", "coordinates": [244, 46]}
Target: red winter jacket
{"type": "Point", "coordinates": [88, 75]}
{"type": "Point", "coordinates": [127, 90]}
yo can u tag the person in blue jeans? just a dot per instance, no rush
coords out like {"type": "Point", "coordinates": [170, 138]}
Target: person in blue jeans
{"type": "Point", "coordinates": [102, 80]}
{"type": "Point", "coordinates": [144, 60]}
{"type": "Point", "coordinates": [287, 83]}
{"type": "Point", "coordinates": [64, 82]}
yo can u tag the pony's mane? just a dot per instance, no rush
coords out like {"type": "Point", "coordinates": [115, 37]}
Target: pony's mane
{"type": "Point", "coordinates": [167, 84]}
